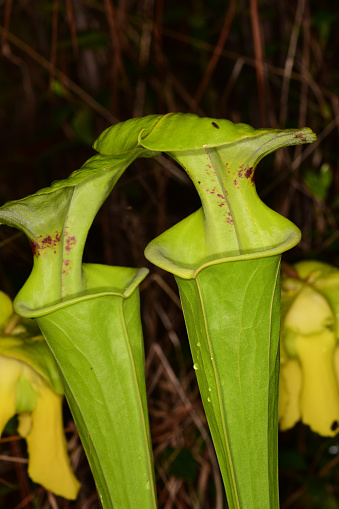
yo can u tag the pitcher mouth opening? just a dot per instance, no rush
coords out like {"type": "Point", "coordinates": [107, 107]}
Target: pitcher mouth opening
{"type": "Point", "coordinates": [158, 255]}
{"type": "Point", "coordinates": [133, 278]}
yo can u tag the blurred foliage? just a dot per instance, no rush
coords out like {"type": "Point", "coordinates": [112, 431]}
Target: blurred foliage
{"type": "Point", "coordinates": [319, 183]}
{"type": "Point", "coordinates": [69, 69]}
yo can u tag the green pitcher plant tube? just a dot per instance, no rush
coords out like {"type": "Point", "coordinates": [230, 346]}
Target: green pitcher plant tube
{"type": "Point", "coordinates": [226, 261]}
{"type": "Point", "coordinates": [89, 315]}
{"type": "Point", "coordinates": [225, 258]}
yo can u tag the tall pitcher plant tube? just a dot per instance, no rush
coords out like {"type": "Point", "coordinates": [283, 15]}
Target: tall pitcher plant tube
{"type": "Point", "coordinates": [226, 259]}
{"type": "Point", "coordinates": [89, 315]}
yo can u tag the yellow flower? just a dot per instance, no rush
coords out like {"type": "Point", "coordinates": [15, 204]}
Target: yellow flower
{"type": "Point", "coordinates": [30, 387]}
{"type": "Point", "coordinates": [309, 377]}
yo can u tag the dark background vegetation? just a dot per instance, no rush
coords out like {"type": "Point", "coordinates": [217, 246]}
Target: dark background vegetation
{"type": "Point", "coordinates": [69, 69]}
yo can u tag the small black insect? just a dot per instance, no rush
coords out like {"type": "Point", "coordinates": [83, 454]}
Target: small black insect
{"type": "Point", "coordinates": [215, 125]}
{"type": "Point", "coordinates": [334, 425]}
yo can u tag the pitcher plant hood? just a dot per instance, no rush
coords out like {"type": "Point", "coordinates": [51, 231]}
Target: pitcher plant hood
{"type": "Point", "coordinates": [226, 258]}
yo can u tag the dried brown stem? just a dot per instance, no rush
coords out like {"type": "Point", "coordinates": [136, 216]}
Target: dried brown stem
{"type": "Point", "coordinates": [259, 64]}
{"type": "Point", "coordinates": [216, 53]}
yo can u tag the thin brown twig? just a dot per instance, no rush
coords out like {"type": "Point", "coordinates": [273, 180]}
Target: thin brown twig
{"type": "Point", "coordinates": [72, 27]}
{"type": "Point", "coordinates": [238, 66]}
{"type": "Point", "coordinates": [216, 53]}
{"type": "Point", "coordinates": [8, 240]}
{"type": "Point", "coordinates": [166, 288]}
{"type": "Point", "coordinates": [21, 472]}
{"type": "Point", "coordinates": [157, 30]}
{"type": "Point", "coordinates": [7, 20]}
{"type": "Point", "coordinates": [173, 81]}
{"type": "Point", "coordinates": [11, 459]}
{"type": "Point", "coordinates": [84, 96]}
{"type": "Point", "coordinates": [118, 68]}
{"type": "Point", "coordinates": [259, 63]}
{"type": "Point", "coordinates": [67, 82]}
{"type": "Point", "coordinates": [111, 18]}
{"type": "Point", "coordinates": [7, 484]}
{"type": "Point", "coordinates": [290, 61]}
{"type": "Point", "coordinates": [183, 396]}
{"type": "Point", "coordinates": [319, 93]}
{"type": "Point", "coordinates": [52, 500]}
{"type": "Point", "coordinates": [298, 160]}
{"type": "Point", "coordinates": [305, 63]}
{"type": "Point", "coordinates": [25, 502]}
{"type": "Point", "coordinates": [329, 466]}
{"type": "Point", "coordinates": [204, 476]}
{"type": "Point", "coordinates": [232, 55]}
{"type": "Point", "coordinates": [293, 498]}
{"type": "Point", "coordinates": [203, 45]}
{"type": "Point", "coordinates": [144, 55]}
{"type": "Point", "coordinates": [53, 55]}
{"type": "Point", "coordinates": [192, 498]}
{"type": "Point", "coordinates": [311, 148]}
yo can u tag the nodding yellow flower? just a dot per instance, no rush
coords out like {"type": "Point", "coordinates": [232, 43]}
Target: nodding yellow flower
{"type": "Point", "coordinates": [30, 387]}
{"type": "Point", "coordinates": [309, 376]}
